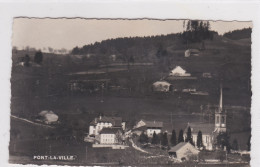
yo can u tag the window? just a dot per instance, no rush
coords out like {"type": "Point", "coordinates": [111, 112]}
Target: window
{"type": "Point", "coordinates": [223, 119]}
{"type": "Point", "coordinates": [217, 119]}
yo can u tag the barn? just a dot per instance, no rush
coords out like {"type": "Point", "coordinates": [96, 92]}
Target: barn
{"type": "Point", "coordinates": [183, 151]}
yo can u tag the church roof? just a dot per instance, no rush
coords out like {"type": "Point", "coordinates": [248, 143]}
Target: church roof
{"type": "Point", "coordinates": [205, 128]}
{"type": "Point", "coordinates": [115, 121]}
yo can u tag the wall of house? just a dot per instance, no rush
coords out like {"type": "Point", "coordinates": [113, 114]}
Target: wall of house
{"type": "Point", "coordinates": [101, 125]}
{"type": "Point", "coordinates": [151, 131]}
{"type": "Point", "coordinates": [92, 130]}
{"type": "Point", "coordinates": [186, 151]}
{"type": "Point", "coordinates": [107, 138]}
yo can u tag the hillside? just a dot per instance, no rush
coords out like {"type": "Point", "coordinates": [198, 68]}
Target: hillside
{"type": "Point", "coordinates": [239, 34]}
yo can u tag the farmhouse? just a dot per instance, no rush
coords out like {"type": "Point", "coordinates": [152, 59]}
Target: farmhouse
{"type": "Point", "coordinates": [48, 117]}
{"type": "Point", "coordinates": [111, 135]}
{"type": "Point", "coordinates": [105, 122]}
{"type": "Point", "coordinates": [162, 86]}
{"type": "Point", "coordinates": [179, 72]}
{"type": "Point", "coordinates": [183, 151]}
{"type": "Point", "coordinates": [191, 52]}
{"type": "Point", "coordinates": [149, 127]}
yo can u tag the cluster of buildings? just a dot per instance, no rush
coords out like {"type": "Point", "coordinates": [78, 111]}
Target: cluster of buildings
{"type": "Point", "coordinates": [107, 130]}
{"type": "Point", "coordinates": [177, 81]}
{"type": "Point", "coordinates": [111, 131]}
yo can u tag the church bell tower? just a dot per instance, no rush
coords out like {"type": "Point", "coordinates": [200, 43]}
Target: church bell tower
{"type": "Point", "coordinates": [220, 116]}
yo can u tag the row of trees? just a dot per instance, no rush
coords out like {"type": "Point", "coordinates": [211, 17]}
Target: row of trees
{"type": "Point", "coordinates": [162, 138]}
{"type": "Point", "coordinates": [222, 140]}
{"type": "Point", "coordinates": [38, 58]}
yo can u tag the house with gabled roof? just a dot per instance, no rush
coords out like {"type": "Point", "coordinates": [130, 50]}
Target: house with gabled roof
{"type": "Point", "coordinates": [183, 151]}
{"type": "Point", "coordinates": [105, 122]}
{"type": "Point", "coordinates": [178, 71]}
{"type": "Point", "coordinates": [149, 127]}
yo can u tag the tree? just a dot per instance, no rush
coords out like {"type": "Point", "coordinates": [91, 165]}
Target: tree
{"type": "Point", "coordinates": [143, 138]}
{"type": "Point", "coordinates": [180, 138]}
{"type": "Point", "coordinates": [155, 139]}
{"type": "Point", "coordinates": [164, 139]}
{"type": "Point", "coordinates": [199, 140]}
{"type": "Point", "coordinates": [27, 60]}
{"type": "Point", "coordinates": [197, 31]}
{"type": "Point", "coordinates": [173, 138]}
{"type": "Point", "coordinates": [189, 137]}
{"type": "Point", "coordinates": [50, 49]}
{"type": "Point", "coordinates": [235, 145]}
{"type": "Point", "coordinates": [223, 141]}
{"type": "Point", "coordinates": [249, 143]}
{"type": "Point", "coordinates": [38, 57]}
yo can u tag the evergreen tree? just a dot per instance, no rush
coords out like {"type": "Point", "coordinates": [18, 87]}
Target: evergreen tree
{"type": "Point", "coordinates": [155, 139]}
{"type": "Point", "coordinates": [249, 143]}
{"type": "Point", "coordinates": [235, 145]}
{"type": "Point", "coordinates": [173, 138]}
{"type": "Point", "coordinates": [164, 139]}
{"type": "Point", "coordinates": [199, 140]}
{"type": "Point", "coordinates": [27, 60]}
{"type": "Point", "coordinates": [189, 137]}
{"type": "Point", "coordinates": [143, 138]}
{"type": "Point", "coordinates": [180, 138]}
{"type": "Point", "coordinates": [38, 57]}
{"type": "Point", "coordinates": [223, 141]}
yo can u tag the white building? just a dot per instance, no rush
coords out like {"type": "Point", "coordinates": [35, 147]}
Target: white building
{"type": "Point", "coordinates": [162, 86]}
{"type": "Point", "coordinates": [48, 117]}
{"type": "Point", "coordinates": [110, 135]}
{"type": "Point", "coordinates": [179, 72]}
{"type": "Point", "coordinates": [105, 122]}
{"type": "Point", "coordinates": [150, 127]}
{"type": "Point", "coordinates": [191, 52]}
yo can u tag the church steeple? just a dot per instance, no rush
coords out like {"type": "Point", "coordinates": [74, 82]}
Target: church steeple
{"type": "Point", "coordinates": [220, 116]}
{"type": "Point", "coordinates": [221, 100]}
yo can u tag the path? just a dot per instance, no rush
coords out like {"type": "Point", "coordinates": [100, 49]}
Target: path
{"type": "Point", "coordinates": [137, 148]}
{"type": "Point", "coordinates": [31, 122]}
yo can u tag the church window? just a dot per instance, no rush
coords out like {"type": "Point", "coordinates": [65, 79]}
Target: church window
{"type": "Point", "coordinates": [223, 119]}
{"type": "Point", "coordinates": [217, 119]}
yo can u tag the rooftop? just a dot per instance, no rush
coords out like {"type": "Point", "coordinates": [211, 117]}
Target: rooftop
{"type": "Point", "coordinates": [110, 130]}
{"type": "Point", "coordinates": [178, 146]}
{"type": "Point", "coordinates": [205, 128]}
{"type": "Point", "coordinates": [153, 124]}
{"type": "Point", "coordinates": [116, 121]}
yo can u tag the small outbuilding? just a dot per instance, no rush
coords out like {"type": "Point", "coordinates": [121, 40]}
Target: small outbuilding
{"type": "Point", "coordinates": [191, 52]}
{"type": "Point", "coordinates": [183, 151]}
{"type": "Point", "coordinates": [162, 86]}
{"type": "Point", "coordinates": [48, 117]}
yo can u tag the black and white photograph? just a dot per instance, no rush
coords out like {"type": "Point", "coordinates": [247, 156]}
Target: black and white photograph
{"type": "Point", "coordinates": [130, 92]}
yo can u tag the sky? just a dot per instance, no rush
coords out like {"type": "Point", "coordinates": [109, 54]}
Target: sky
{"type": "Point", "coordinates": [67, 33]}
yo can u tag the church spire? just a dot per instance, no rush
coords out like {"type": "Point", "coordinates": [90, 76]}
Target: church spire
{"type": "Point", "coordinates": [221, 100]}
